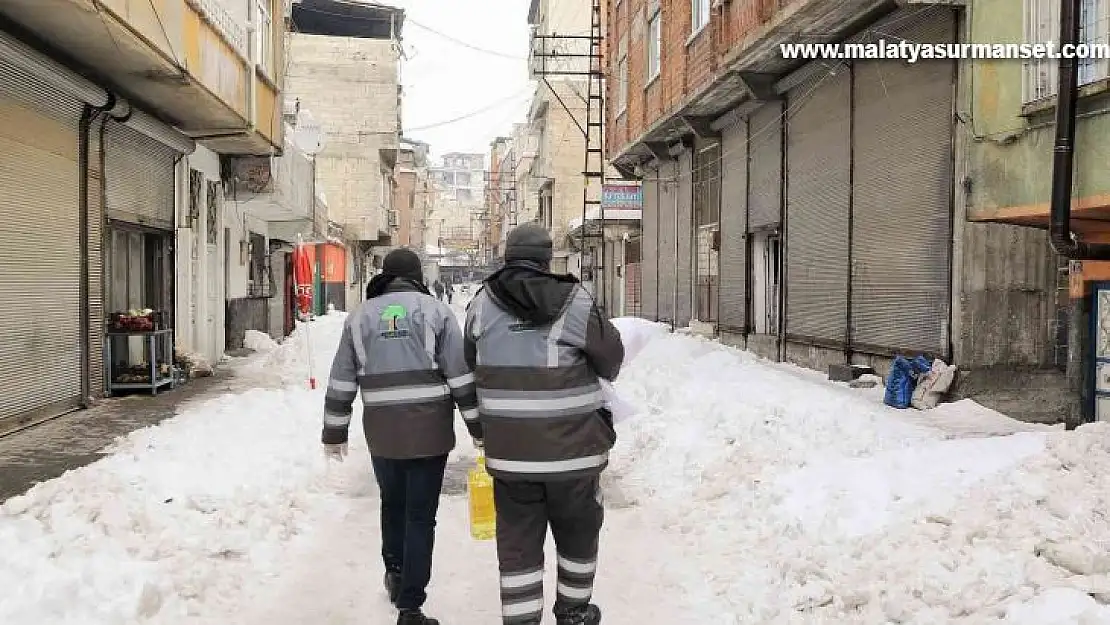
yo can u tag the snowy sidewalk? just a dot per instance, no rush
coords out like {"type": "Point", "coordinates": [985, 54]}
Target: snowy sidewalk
{"type": "Point", "coordinates": [744, 492]}
{"type": "Point", "coordinates": [49, 449]}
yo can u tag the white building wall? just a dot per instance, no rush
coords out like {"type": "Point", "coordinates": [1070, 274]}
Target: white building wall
{"type": "Point", "coordinates": [201, 275]}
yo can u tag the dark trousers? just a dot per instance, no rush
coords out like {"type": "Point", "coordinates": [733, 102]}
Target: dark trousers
{"type": "Point", "coordinates": [410, 499]}
{"type": "Point", "coordinates": [573, 509]}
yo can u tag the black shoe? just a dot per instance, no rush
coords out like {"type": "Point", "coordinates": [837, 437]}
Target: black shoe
{"type": "Point", "coordinates": [414, 617]}
{"type": "Point", "coordinates": [580, 615]}
{"type": "Point", "coordinates": [392, 586]}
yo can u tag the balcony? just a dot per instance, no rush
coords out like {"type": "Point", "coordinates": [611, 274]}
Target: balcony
{"type": "Point", "coordinates": [187, 61]}
{"type": "Point", "coordinates": [279, 191]}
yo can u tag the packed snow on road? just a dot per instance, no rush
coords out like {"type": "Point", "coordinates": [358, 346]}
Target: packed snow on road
{"type": "Point", "coordinates": [740, 491]}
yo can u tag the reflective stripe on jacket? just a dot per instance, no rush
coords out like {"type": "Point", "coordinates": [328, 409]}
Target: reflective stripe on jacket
{"type": "Point", "coordinates": [538, 391]}
{"type": "Point", "coordinates": [403, 351]}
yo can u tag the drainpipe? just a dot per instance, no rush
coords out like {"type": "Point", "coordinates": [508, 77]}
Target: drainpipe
{"type": "Point", "coordinates": [89, 114]}
{"type": "Point", "coordinates": [1063, 240]}
{"type": "Point", "coordinates": [674, 302]}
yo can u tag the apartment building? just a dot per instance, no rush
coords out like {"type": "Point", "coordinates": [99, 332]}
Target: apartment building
{"type": "Point", "coordinates": [817, 212]}
{"type": "Point", "coordinates": [343, 65]}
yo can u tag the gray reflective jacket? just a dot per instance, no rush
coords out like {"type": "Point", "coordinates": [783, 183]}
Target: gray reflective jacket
{"type": "Point", "coordinates": [404, 351]}
{"type": "Point", "coordinates": [538, 393]}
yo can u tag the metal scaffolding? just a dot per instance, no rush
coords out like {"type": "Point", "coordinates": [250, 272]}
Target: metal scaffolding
{"type": "Point", "coordinates": [563, 55]}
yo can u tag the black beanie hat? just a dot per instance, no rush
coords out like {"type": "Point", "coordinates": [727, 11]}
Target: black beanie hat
{"type": "Point", "coordinates": [529, 241]}
{"type": "Point", "coordinates": [403, 263]}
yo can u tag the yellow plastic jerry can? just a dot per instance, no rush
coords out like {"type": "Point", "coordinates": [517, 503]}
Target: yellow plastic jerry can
{"type": "Point", "coordinates": [483, 515]}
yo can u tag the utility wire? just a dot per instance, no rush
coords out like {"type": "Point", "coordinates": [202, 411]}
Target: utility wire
{"type": "Point", "coordinates": [464, 44]}
{"type": "Point", "coordinates": [474, 113]}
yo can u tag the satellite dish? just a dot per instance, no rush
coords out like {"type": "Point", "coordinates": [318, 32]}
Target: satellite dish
{"type": "Point", "coordinates": [308, 134]}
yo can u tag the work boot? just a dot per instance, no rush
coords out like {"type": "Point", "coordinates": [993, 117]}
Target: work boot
{"type": "Point", "coordinates": [414, 617]}
{"type": "Point", "coordinates": [579, 615]}
{"type": "Point", "coordinates": [392, 586]}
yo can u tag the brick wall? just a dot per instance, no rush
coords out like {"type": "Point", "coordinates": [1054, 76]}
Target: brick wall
{"type": "Point", "coordinates": [350, 87]}
{"type": "Point", "coordinates": [686, 65]}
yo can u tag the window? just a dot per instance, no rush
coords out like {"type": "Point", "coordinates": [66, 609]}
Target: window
{"type": "Point", "coordinates": [464, 195]}
{"type": "Point", "coordinates": [699, 13]}
{"type": "Point", "coordinates": [706, 179]}
{"type": "Point", "coordinates": [654, 46]}
{"type": "Point", "coordinates": [462, 179]}
{"type": "Point", "coordinates": [1042, 25]}
{"type": "Point", "coordinates": [264, 35]}
{"type": "Point", "coordinates": [622, 83]}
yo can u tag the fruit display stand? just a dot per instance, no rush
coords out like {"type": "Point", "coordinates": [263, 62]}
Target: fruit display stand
{"type": "Point", "coordinates": [154, 370]}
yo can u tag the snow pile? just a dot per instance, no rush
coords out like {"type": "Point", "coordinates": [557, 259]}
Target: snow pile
{"type": "Point", "coordinates": [805, 504]}
{"type": "Point", "coordinates": [289, 364]}
{"type": "Point", "coordinates": [259, 341]}
{"type": "Point", "coordinates": [180, 516]}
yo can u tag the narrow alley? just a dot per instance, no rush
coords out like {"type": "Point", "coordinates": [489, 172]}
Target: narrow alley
{"type": "Point", "coordinates": [745, 491]}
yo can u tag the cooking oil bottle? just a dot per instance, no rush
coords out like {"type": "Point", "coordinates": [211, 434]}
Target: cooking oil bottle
{"type": "Point", "coordinates": [483, 515]}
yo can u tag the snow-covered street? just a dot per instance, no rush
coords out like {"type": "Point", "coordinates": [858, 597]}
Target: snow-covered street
{"type": "Point", "coordinates": [744, 492]}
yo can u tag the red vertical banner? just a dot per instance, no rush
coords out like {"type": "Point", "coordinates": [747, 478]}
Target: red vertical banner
{"type": "Point", "coordinates": [303, 269]}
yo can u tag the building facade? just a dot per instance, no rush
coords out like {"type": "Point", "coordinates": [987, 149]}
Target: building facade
{"type": "Point", "coordinates": [344, 66]}
{"type": "Point", "coordinates": [412, 195]}
{"type": "Point", "coordinates": [99, 144]}
{"type": "Point", "coordinates": [458, 215]}
{"type": "Point", "coordinates": [812, 212]}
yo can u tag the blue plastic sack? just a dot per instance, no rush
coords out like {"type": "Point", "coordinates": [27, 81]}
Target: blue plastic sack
{"type": "Point", "coordinates": [903, 378]}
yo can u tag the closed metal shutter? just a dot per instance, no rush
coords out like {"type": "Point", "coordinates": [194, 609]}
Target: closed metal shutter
{"type": "Point", "coordinates": [902, 211]}
{"type": "Point", "coordinates": [733, 308]}
{"type": "Point", "coordinates": [140, 178]}
{"type": "Point", "coordinates": [668, 191]}
{"type": "Point", "coordinates": [649, 266]}
{"type": "Point", "coordinates": [817, 203]}
{"type": "Point", "coordinates": [684, 280]}
{"type": "Point", "coordinates": [765, 143]}
{"type": "Point", "coordinates": [40, 269]}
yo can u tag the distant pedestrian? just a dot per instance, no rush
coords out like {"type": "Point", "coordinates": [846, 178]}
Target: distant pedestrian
{"type": "Point", "coordinates": [404, 351]}
{"type": "Point", "coordinates": [450, 292]}
{"type": "Point", "coordinates": [439, 289]}
{"type": "Point", "coordinates": [543, 346]}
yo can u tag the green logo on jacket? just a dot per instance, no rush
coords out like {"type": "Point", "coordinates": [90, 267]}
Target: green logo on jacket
{"type": "Point", "coordinates": [390, 315]}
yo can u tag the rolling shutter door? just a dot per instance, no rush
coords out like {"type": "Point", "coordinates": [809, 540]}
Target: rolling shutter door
{"type": "Point", "coordinates": [667, 264]}
{"type": "Point", "coordinates": [40, 270]}
{"type": "Point", "coordinates": [684, 265]}
{"type": "Point", "coordinates": [765, 143]}
{"type": "Point", "coordinates": [649, 263]}
{"type": "Point", "coordinates": [902, 211]}
{"type": "Point", "coordinates": [733, 309]}
{"type": "Point", "coordinates": [140, 178]}
{"type": "Point", "coordinates": [817, 203]}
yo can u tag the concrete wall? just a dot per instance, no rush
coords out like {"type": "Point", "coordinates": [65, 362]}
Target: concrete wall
{"type": "Point", "coordinates": [351, 87]}
{"type": "Point", "coordinates": [561, 153]}
{"type": "Point", "coordinates": [1012, 157]}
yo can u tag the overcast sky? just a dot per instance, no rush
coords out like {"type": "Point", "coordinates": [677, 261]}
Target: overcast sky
{"type": "Point", "coordinates": [445, 79]}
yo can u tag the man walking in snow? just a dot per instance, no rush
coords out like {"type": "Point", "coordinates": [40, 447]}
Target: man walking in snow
{"type": "Point", "coordinates": [404, 350]}
{"type": "Point", "coordinates": [450, 288]}
{"type": "Point", "coordinates": [439, 290]}
{"type": "Point", "coordinates": [542, 345]}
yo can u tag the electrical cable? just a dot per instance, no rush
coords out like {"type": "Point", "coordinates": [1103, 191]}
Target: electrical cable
{"type": "Point", "coordinates": [471, 114]}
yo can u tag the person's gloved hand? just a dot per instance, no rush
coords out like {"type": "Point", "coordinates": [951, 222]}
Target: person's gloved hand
{"type": "Point", "coordinates": [335, 452]}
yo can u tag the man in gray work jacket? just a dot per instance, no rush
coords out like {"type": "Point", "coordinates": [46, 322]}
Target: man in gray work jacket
{"type": "Point", "coordinates": [538, 345]}
{"type": "Point", "coordinates": [403, 350]}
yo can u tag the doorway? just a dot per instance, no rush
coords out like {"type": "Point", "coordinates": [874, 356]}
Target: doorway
{"type": "Point", "coordinates": [766, 282]}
